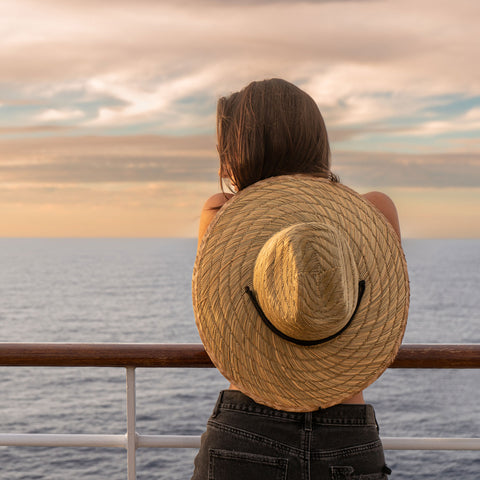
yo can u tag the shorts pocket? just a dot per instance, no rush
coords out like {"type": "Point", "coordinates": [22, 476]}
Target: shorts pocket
{"type": "Point", "coordinates": [231, 465]}
{"type": "Point", "coordinates": [348, 473]}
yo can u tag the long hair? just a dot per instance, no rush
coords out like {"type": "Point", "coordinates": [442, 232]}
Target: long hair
{"type": "Point", "coordinates": [270, 128]}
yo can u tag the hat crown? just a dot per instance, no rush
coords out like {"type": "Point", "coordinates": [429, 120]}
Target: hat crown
{"type": "Point", "coordinates": [306, 281]}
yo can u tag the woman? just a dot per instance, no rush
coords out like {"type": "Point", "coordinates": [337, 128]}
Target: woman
{"type": "Point", "coordinates": [300, 294]}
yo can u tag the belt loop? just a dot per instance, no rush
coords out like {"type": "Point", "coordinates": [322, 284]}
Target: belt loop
{"type": "Point", "coordinates": [308, 421]}
{"type": "Point", "coordinates": [376, 423]}
{"type": "Point", "coordinates": [217, 405]}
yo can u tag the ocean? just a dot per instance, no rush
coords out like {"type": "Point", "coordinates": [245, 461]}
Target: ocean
{"type": "Point", "coordinates": [139, 290]}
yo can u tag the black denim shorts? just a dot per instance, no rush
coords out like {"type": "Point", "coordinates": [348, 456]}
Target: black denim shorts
{"type": "Point", "coordinates": [248, 441]}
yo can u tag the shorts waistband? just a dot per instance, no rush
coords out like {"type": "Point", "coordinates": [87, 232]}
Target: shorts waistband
{"type": "Point", "coordinates": [350, 414]}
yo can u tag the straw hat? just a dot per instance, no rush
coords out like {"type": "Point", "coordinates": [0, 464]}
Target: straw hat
{"type": "Point", "coordinates": [300, 292]}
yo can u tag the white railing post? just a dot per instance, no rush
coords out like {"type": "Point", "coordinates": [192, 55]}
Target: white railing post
{"type": "Point", "coordinates": [131, 425]}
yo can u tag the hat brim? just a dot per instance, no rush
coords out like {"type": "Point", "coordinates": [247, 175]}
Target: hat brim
{"type": "Point", "coordinates": [269, 369]}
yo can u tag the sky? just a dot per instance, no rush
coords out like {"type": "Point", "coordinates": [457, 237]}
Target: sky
{"type": "Point", "coordinates": [107, 109]}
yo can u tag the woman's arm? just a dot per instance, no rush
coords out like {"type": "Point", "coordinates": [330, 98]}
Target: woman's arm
{"type": "Point", "coordinates": [385, 204]}
{"type": "Point", "coordinates": [209, 210]}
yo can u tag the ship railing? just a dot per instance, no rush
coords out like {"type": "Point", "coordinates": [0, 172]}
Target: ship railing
{"type": "Point", "coordinates": [132, 356]}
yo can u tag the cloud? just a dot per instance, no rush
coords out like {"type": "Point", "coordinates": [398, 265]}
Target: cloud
{"type": "Point", "coordinates": [469, 121]}
{"type": "Point", "coordinates": [362, 61]}
{"type": "Point", "coordinates": [370, 169]}
{"type": "Point", "coordinates": [54, 115]}
{"type": "Point", "coordinates": [109, 159]}
{"type": "Point", "coordinates": [189, 159]}
{"type": "Point", "coordinates": [137, 101]}
{"type": "Point", "coordinates": [134, 85]}
{"type": "Point", "coordinates": [29, 129]}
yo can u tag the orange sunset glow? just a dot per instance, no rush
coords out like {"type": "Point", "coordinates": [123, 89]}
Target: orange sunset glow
{"type": "Point", "coordinates": [107, 111]}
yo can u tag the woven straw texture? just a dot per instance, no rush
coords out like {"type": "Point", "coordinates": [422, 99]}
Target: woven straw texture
{"type": "Point", "coordinates": [306, 281]}
{"type": "Point", "coordinates": [269, 369]}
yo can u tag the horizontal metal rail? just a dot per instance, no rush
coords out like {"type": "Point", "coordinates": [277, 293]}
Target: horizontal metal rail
{"type": "Point", "coordinates": [193, 355]}
{"type": "Point", "coordinates": [107, 441]}
{"type": "Point", "coordinates": [193, 441]}
{"type": "Point", "coordinates": [131, 356]}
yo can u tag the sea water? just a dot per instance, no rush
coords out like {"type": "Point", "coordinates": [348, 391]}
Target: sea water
{"type": "Point", "coordinates": [139, 290]}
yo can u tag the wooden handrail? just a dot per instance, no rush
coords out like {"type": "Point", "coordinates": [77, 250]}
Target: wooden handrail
{"type": "Point", "coordinates": [194, 355]}
{"type": "Point", "coordinates": [103, 355]}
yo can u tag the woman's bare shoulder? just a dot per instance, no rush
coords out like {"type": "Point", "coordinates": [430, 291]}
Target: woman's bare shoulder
{"type": "Point", "coordinates": [216, 201]}
{"type": "Point", "coordinates": [385, 204]}
{"type": "Point", "coordinates": [209, 210]}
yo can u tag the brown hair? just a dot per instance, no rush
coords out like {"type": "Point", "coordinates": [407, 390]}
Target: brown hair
{"type": "Point", "coordinates": [271, 128]}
